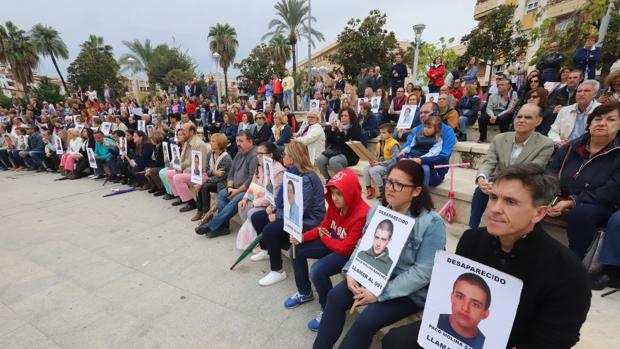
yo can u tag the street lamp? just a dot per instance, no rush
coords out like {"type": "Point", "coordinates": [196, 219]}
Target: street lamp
{"type": "Point", "coordinates": [217, 56]}
{"type": "Point", "coordinates": [132, 63]}
{"type": "Point", "coordinates": [418, 29]}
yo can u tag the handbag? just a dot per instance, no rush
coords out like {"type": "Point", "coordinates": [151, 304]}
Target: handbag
{"type": "Point", "coordinates": [591, 258]}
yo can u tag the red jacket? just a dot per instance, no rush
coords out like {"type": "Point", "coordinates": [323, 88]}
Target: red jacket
{"type": "Point", "coordinates": [190, 108]}
{"type": "Point", "coordinates": [436, 75]}
{"type": "Point", "coordinates": [261, 90]}
{"type": "Point", "coordinates": [344, 230]}
{"type": "Point", "coordinates": [457, 94]}
{"type": "Point", "coordinates": [277, 86]}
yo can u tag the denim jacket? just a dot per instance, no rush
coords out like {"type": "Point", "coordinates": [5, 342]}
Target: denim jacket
{"type": "Point", "coordinates": [412, 273]}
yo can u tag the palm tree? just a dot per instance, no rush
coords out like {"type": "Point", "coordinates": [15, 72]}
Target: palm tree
{"type": "Point", "coordinates": [19, 53]}
{"type": "Point", "coordinates": [47, 42]}
{"type": "Point", "coordinates": [291, 21]}
{"type": "Point", "coordinates": [139, 59]}
{"type": "Point", "coordinates": [95, 42]}
{"type": "Point", "coordinates": [224, 42]}
{"type": "Point", "coordinates": [280, 49]}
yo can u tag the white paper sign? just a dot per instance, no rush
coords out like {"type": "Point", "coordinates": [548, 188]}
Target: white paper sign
{"type": "Point", "coordinates": [58, 145]}
{"type": "Point", "coordinates": [293, 197]}
{"type": "Point", "coordinates": [122, 145]}
{"type": "Point", "coordinates": [176, 157]}
{"type": "Point", "coordinates": [268, 179]}
{"type": "Point", "coordinates": [79, 127]}
{"type": "Point", "coordinates": [407, 113]}
{"type": "Point", "coordinates": [150, 129]}
{"type": "Point", "coordinates": [432, 97]}
{"type": "Point", "coordinates": [375, 102]}
{"type": "Point", "coordinates": [166, 153]}
{"type": "Point", "coordinates": [106, 127]}
{"type": "Point", "coordinates": [315, 104]}
{"type": "Point", "coordinates": [142, 126]}
{"type": "Point", "coordinates": [379, 249]}
{"type": "Point", "coordinates": [196, 169]}
{"type": "Point", "coordinates": [359, 103]}
{"type": "Point", "coordinates": [91, 157]}
{"type": "Point", "coordinates": [469, 305]}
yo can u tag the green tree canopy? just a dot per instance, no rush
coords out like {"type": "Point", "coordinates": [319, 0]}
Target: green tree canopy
{"type": "Point", "coordinates": [139, 58]}
{"type": "Point", "coordinates": [17, 50]}
{"type": "Point", "coordinates": [496, 36]}
{"type": "Point", "coordinates": [428, 52]}
{"type": "Point", "coordinates": [166, 59]}
{"type": "Point", "coordinates": [178, 76]}
{"type": "Point", "coordinates": [95, 66]}
{"type": "Point", "coordinates": [223, 41]}
{"type": "Point", "coordinates": [259, 64]}
{"type": "Point", "coordinates": [365, 41]}
{"type": "Point", "coordinates": [47, 42]}
{"type": "Point", "coordinates": [45, 90]}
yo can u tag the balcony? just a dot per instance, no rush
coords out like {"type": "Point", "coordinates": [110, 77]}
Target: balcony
{"type": "Point", "coordinates": [483, 7]}
{"type": "Point", "coordinates": [557, 8]}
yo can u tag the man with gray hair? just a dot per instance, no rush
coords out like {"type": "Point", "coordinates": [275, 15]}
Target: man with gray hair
{"type": "Point", "coordinates": [571, 120]}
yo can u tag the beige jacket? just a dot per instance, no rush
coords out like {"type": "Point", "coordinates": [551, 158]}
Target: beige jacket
{"type": "Point", "coordinates": [565, 122]}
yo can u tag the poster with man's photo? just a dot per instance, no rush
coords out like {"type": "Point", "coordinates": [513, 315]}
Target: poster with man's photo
{"type": "Point", "coordinates": [293, 196]}
{"type": "Point", "coordinates": [58, 145]}
{"type": "Point", "coordinates": [407, 113]}
{"type": "Point", "coordinates": [269, 179]}
{"type": "Point", "coordinates": [469, 305]}
{"type": "Point", "coordinates": [375, 103]}
{"type": "Point", "coordinates": [92, 161]}
{"type": "Point", "coordinates": [379, 249]}
{"type": "Point", "coordinates": [196, 170]}
{"type": "Point", "coordinates": [166, 151]}
{"type": "Point", "coordinates": [142, 126]}
{"type": "Point", "coordinates": [122, 145]}
{"type": "Point", "coordinates": [432, 97]}
{"type": "Point", "coordinates": [359, 103]}
{"type": "Point", "coordinates": [315, 105]}
{"type": "Point", "coordinates": [176, 157]}
{"type": "Point", "coordinates": [106, 127]}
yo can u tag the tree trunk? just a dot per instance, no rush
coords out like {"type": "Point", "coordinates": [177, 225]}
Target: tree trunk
{"type": "Point", "coordinates": [64, 84]}
{"type": "Point", "coordinates": [294, 74]}
{"type": "Point", "coordinates": [226, 84]}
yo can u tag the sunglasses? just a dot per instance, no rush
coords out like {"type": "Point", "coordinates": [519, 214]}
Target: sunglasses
{"type": "Point", "coordinates": [533, 96]}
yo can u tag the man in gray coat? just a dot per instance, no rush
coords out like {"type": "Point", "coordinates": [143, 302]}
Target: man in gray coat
{"type": "Point", "coordinates": [364, 80]}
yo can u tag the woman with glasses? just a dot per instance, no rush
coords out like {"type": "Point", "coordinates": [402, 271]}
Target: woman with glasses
{"type": "Point", "coordinates": [539, 96]}
{"type": "Point", "coordinates": [533, 82]}
{"type": "Point", "coordinates": [405, 293]}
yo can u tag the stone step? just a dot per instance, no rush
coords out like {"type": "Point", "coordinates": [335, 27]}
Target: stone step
{"type": "Point", "coordinates": [473, 132]}
{"type": "Point", "coordinates": [471, 152]}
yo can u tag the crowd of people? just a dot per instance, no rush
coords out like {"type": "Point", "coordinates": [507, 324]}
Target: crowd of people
{"type": "Point", "coordinates": [557, 156]}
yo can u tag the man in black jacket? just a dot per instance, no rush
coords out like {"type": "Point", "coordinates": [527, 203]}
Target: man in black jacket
{"type": "Point", "coordinates": [549, 64]}
{"type": "Point", "coordinates": [214, 120]}
{"type": "Point", "coordinates": [565, 96]}
{"type": "Point", "coordinates": [556, 293]}
{"type": "Point", "coordinates": [263, 131]}
{"type": "Point", "coordinates": [398, 73]}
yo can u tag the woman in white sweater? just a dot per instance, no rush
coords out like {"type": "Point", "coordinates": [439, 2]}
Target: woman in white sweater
{"type": "Point", "coordinates": [72, 153]}
{"type": "Point", "coordinates": [312, 135]}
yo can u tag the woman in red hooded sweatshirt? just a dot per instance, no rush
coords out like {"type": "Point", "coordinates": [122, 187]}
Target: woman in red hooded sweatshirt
{"type": "Point", "coordinates": [331, 243]}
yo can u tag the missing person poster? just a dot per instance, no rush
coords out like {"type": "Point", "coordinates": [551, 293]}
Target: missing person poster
{"type": "Point", "coordinates": [122, 145]}
{"type": "Point", "coordinates": [359, 103]}
{"type": "Point", "coordinates": [407, 113]}
{"type": "Point", "coordinates": [150, 130]}
{"type": "Point", "coordinates": [166, 151]}
{"type": "Point", "coordinates": [79, 127]}
{"type": "Point", "coordinates": [142, 126]}
{"type": "Point", "coordinates": [375, 103]}
{"type": "Point", "coordinates": [106, 127]}
{"type": "Point", "coordinates": [315, 105]}
{"type": "Point", "coordinates": [91, 157]}
{"type": "Point", "coordinates": [432, 97]}
{"type": "Point", "coordinates": [293, 205]}
{"type": "Point", "coordinates": [196, 169]}
{"type": "Point", "coordinates": [58, 145]}
{"type": "Point", "coordinates": [469, 305]}
{"type": "Point", "coordinates": [379, 249]}
{"type": "Point", "coordinates": [269, 179]}
{"type": "Point", "coordinates": [176, 157]}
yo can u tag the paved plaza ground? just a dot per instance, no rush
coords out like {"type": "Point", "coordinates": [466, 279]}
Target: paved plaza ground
{"type": "Point", "coordinates": [81, 271]}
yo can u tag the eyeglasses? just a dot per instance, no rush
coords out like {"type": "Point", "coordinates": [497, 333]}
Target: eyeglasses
{"type": "Point", "coordinates": [261, 153]}
{"type": "Point", "coordinates": [534, 80]}
{"type": "Point", "coordinates": [396, 186]}
{"type": "Point", "coordinates": [533, 96]}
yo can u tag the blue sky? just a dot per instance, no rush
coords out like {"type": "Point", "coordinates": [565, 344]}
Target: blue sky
{"type": "Point", "coordinates": [186, 23]}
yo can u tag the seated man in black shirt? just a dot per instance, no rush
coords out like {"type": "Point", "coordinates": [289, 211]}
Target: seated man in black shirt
{"type": "Point", "coordinates": [556, 293]}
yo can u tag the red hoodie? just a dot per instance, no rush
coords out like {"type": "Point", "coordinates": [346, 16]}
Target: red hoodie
{"type": "Point", "coordinates": [344, 230]}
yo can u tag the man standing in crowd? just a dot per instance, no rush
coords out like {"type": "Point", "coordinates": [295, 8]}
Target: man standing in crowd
{"type": "Point", "coordinates": [585, 58]}
{"type": "Point", "coordinates": [364, 80]}
{"type": "Point", "coordinates": [556, 293]}
{"type": "Point", "coordinates": [377, 80]}
{"type": "Point", "coordinates": [571, 121]}
{"type": "Point", "coordinates": [509, 148]}
{"type": "Point", "coordinates": [288, 85]}
{"type": "Point", "coordinates": [212, 90]}
{"type": "Point", "coordinates": [500, 109]}
{"type": "Point", "coordinates": [239, 180]}
{"type": "Point", "coordinates": [549, 64]}
{"type": "Point", "coordinates": [398, 73]}
{"type": "Point", "coordinates": [277, 91]}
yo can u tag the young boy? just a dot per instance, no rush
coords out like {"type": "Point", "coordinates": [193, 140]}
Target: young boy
{"type": "Point", "coordinates": [387, 148]}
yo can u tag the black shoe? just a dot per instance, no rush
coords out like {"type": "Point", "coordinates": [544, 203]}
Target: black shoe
{"type": "Point", "coordinates": [152, 190]}
{"type": "Point", "coordinates": [159, 193]}
{"type": "Point", "coordinates": [177, 203]}
{"type": "Point", "coordinates": [218, 232]}
{"type": "Point", "coordinates": [168, 197]}
{"type": "Point", "coordinates": [124, 181]}
{"type": "Point", "coordinates": [599, 281]}
{"type": "Point", "coordinates": [202, 229]}
{"type": "Point", "coordinates": [189, 207]}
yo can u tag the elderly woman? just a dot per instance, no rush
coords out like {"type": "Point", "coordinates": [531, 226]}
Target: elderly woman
{"type": "Point", "coordinates": [589, 172]}
{"type": "Point", "coordinates": [448, 114]}
{"type": "Point", "coordinates": [72, 153]}
{"type": "Point", "coordinates": [338, 155]}
{"type": "Point", "coordinates": [311, 134]}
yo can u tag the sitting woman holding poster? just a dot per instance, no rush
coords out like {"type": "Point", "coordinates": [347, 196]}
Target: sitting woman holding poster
{"type": "Point", "coordinates": [405, 291]}
{"type": "Point", "coordinates": [331, 242]}
{"type": "Point", "coordinates": [270, 222]}
{"type": "Point", "coordinates": [337, 155]}
{"type": "Point", "coordinates": [133, 167]}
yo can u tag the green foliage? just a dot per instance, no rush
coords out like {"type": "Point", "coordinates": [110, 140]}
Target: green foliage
{"type": "Point", "coordinates": [164, 60]}
{"type": "Point", "coordinates": [365, 41]}
{"type": "Point", "coordinates": [95, 66]}
{"type": "Point", "coordinates": [223, 40]}
{"type": "Point", "coordinates": [259, 64]}
{"type": "Point", "coordinates": [496, 36]}
{"type": "Point", "coordinates": [428, 52]}
{"type": "Point", "coordinates": [280, 50]}
{"type": "Point", "coordinates": [5, 101]}
{"type": "Point", "coordinates": [47, 42]}
{"type": "Point", "coordinates": [47, 91]}
{"type": "Point", "coordinates": [17, 50]}
{"type": "Point", "coordinates": [139, 58]}
{"type": "Point", "coordinates": [179, 77]}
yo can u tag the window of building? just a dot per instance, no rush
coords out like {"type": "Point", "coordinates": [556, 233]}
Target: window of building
{"type": "Point", "coordinates": [532, 6]}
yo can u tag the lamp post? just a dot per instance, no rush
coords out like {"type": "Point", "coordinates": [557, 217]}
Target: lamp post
{"type": "Point", "coordinates": [132, 63]}
{"type": "Point", "coordinates": [217, 56]}
{"type": "Point", "coordinates": [418, 29]}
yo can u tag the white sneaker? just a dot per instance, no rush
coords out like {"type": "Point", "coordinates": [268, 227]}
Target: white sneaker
{"type": "Point", "coordinates": [272, 278]}
{"type": "Point", "coordinates": [92, 176]}
{"type": "Point", "coordinates": [260, 256]}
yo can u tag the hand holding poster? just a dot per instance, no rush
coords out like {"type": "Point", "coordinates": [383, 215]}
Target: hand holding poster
{"type": "Point", "coordinates": [379, 249]}
{"type": "Point", "coordinates": [142, 126]}
{"type": "Point", "coordinates": [469, 305]}
{"type": "Point", "coordinates": [196, 169]}
{"type": "Point", "coordinates": [58, 145]}
{"type": "Point", "coordinates": [315, 105]}
{"type": "Point", "coordinates": [293, 205]}
{"type": "Point", "coordinates": [91, 157]}
{"type": "Point", "coordinates": [106, 127]}
{"type": "Point", "coordinates": [176, 157]}
{"type": "Point", "coordinates": [268, 179]}
{"type": "Point", "coordinates": [166, 150]}
{"type": "Point", "coordinates": [407, 113]}
{"type": "Point", "coordinates": [359, 103]}
{"type": "Point", "coordinates": [432, 97]}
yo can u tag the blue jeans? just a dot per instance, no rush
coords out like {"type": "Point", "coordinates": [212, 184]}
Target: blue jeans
{"type": "Point", "coordinates": [329, 263]}
{"type": "Point", "coordinates": [610, 253]}
{"type": "Point", "coordinates": [4, 158]}
{"type": "Point", "coordinates": [110, 162]}
{"type": "Point", "coordinates": [274, 238]}
{"type": "Point", "coordinates": [17, 160]}
{"type": "Point", "coordinates": [427, 175]}
{"type": "Point", "coordinates": [34, 159]}
{"type": "Point", "coordinates": [288, 98]}
{"type": "Point", "coordinates": [478, 206]}
{"type": "Point", "coordinates": [464, 121]}
{"type": "Point", "coordinates": [372, 319]}
{"type": "Point", "coordinates": [226, 209]}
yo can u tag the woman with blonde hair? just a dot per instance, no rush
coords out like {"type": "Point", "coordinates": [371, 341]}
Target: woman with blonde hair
{"type": "Point", "coordinates": [281, 132]}
{"type": "Point", "coordinates": [72, 153]}
{"type": "Point", "coordinates": [270, 222]}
